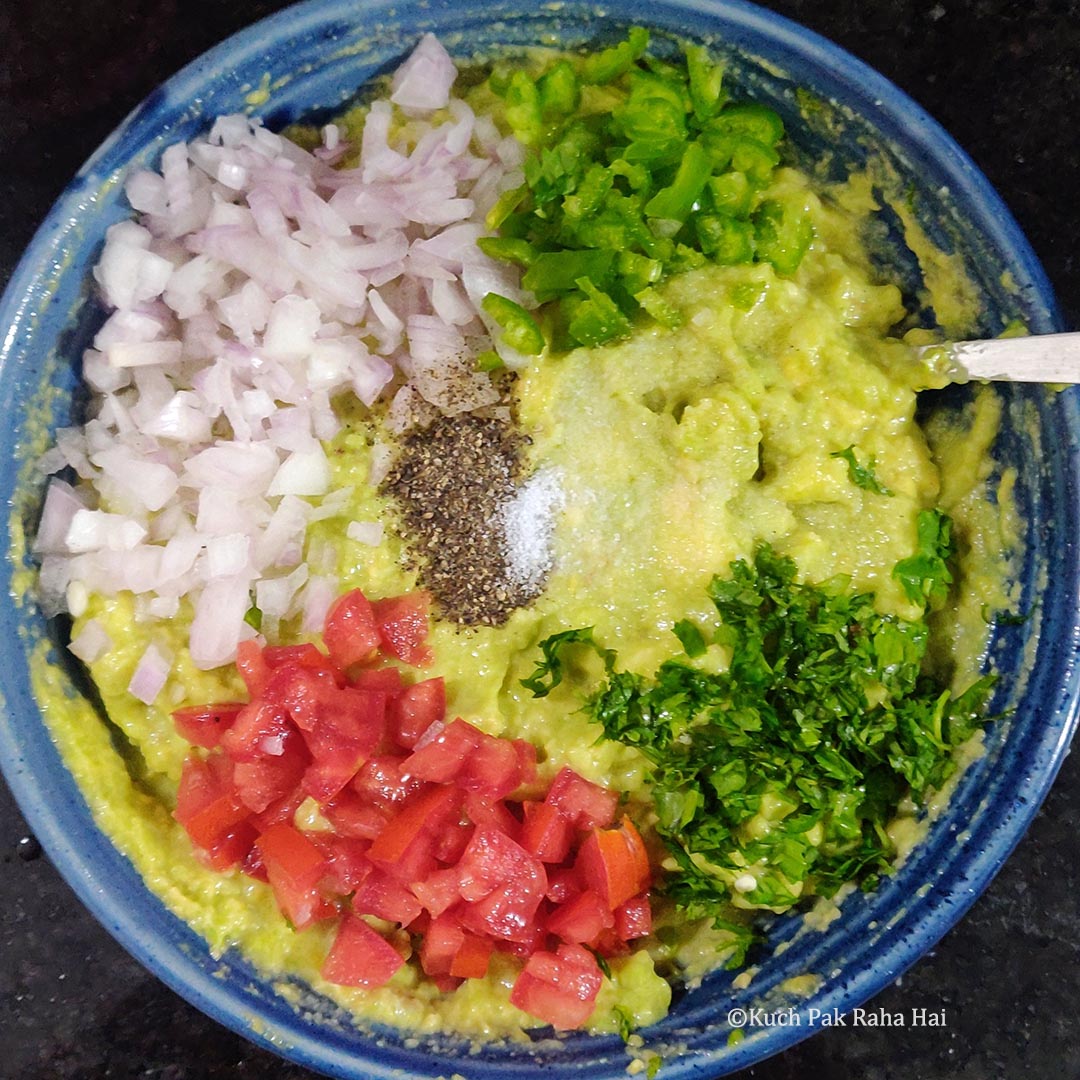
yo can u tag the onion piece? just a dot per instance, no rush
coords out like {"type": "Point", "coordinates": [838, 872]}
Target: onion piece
{"type": "Point", "coordinates": [150, 674]}
{"type": "Point", "coordinates": [423, 82]}
{"type": "Point", "coordinates": [62, 502]}
{"type": "Point", "coordinates": [258, 286]}
{"type": "Point", "coordinates": [91, 642]}
{"type": "Point", "coordinates": [365, 532]}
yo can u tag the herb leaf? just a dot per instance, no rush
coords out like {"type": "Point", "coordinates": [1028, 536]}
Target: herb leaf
{"type": "Point", "coordinates": [776, 779]}
{"type": "Point", "coordinates": [549, 671]}
{"type": "Point", "coordinates": [925, 576]}
{"type": "Point", "coordinates": [692, 639]}
{"type": "Point", "coordinates": [862, 475]}
{"type": "Point", "coordinates": [625, 1020]}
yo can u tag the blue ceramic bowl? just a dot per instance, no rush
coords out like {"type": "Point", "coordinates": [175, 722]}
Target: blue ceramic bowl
{"type": "Point", "coordinates": [313, 58]}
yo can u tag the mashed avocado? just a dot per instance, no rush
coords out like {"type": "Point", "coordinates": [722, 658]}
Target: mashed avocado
{"type": "Point", "coordinates": [676, 452]}
{"type": "Point", "coordinates": [671, 454]}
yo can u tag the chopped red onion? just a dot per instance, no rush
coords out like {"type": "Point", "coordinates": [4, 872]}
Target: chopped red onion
{"type": "Point", "coordinates": [150, 675]}
{"type": "Point", "coordinates": [91, 530]}
{"type": "Point", "coordinates": [423, 82]}
{"type": "Point", "coordinates": [218, 626]}
{"type": "Point", "coordinates": [137, 353]}
{"type": "Point", "coordinates": [319, 593]}
{"type": "Point", "coordinates": [91, 642]}
{"type": "Point", "coordinates": [228, 555]}
{"type": "Point", "coordinates": [365, 532]}
{"type": "Point", "coordinates": [302, 473]}
{"type": "Point", "coordinates": [259, 283]}
{"type": "Point", "coordinates": [62, 502]}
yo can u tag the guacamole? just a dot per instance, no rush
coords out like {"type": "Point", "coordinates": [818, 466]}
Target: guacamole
{"type": "Point", "coordinates": [668, 456]}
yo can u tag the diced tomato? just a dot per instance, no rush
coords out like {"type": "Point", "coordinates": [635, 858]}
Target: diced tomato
{"type": "Point", "coordinates": [347, 864]}
{"type": "Point", "coordinates": [267, 779]}
{"type": "Point", "coordinates": [563, 884]}
{"type": "Point", "coordinates": [259, 730]}
{"type": "Point", "coordinates": [360, 956]}
{"type": "Point", "coordinates": [586, 804]}
{"type": "Point", "coordinates": [452, 841]}
{"type": "Point", "coordinates": [532, 938]}
{"type": "Point", "coordinates": [526, 753]}
{"type": "Point", "coordinates": [403, 625]}
{"type": "Point", "coordinates": [283, 809]}
{"type": "Point", "coordinates": [421, 816]}
{"type": "Point", "coordinates": [204, 725]}
{"type": "Point", "coordinates": [353, 816]}
{"type": "Point", "coordinates": [349, 727]}
{"type": "Point", "coordinates": [614, 863]}
{"type": "Point", "coordinates": [253, 668]}
{"type": "Point", "coordinates": [449, 949]}
{"type": "Point", "coordinates": [232, 848]}
{"type": "Point", "coordinates": [351, 632]}
{"type": "Point", "coordinates": [386, 898]}
{"type": "Point", "coordinates": [582, 920]}
{"type": "Point", "coordinates": [387, 680]}
{"type": "Point", "coordinates": [492, 859]}
{"type": "Point", "coordinates": [559, 988]}
{"type": "Point", "coordinates": [490, 813]}
{"type": "Point", "coordinates": [295, 866]}
{"type": "Point", "coordinates": [472, 959]}
{"type": "Point", "coordinates": [633, 919]}
{"type": "Point", "coordinates": [209, 807]}
{"type": "Point", "coordinates": [493, 768]}
{"type": "Point", "coordinates": [546, 832]}
{"type": "Point", "coordinates": [415, 710]}
{"type": "Point", "coordinates": [503, 885]}
{"type": "Point", "coordinates": [325, 778]}
{"type": "Point", "coordinates": [252, 863]}
{"type": "Point", "coordinates": [609, 944]}
{"type": "Point", "coordinates": [302, 691]}
{"type": "Point", "coordinates": [381, 781]}
{"type": "Point", "coordinates": [304, 656]}
{"type": "Point", "coordinates": [338, 716]}
{"type": "Point", "coordinates": [424, 830]}
{"type": "Point", "coordinates": [442, 942]}
{"type": "Point", "coordinates": [439, 890]}
{"type": "Point", "coordinates": [442, 757]}
{"type": "Point", "coordinates": [356, 716]}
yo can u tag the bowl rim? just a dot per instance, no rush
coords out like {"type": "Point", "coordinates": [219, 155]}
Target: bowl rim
{"type": "Point", "coordinates": [47, 816]}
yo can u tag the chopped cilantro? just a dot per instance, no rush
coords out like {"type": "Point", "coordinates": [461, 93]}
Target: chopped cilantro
{"type": "Point", "coordinates": [788, 766]}
{"type": "Point", "coordinates": [602, 964]}
{"type": "Point", "coordinates": [692, 639]}
{"type": "Point", "coordinates": [1005, 618]}
{"type": "Point", "coordinates": [625, 1021]}
{"type": "Point", "coordinates": [253, 617]}
{"type": "Point", "coordinates": [926, 576]}
{"type": "Point", "coordinates": [861, 475]}
{"type": "Point", "coordinates": [549, 671]}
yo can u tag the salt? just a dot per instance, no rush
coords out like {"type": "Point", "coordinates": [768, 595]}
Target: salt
{"type": "Point", "coordinates": [528, 524]}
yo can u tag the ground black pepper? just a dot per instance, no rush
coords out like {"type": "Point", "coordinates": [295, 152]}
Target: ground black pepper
{"type": "Point", "coordinates": [450, 480]}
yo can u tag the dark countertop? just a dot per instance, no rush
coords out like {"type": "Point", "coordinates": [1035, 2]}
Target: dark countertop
{"type": "Point", "coordinates": [1003, 78]}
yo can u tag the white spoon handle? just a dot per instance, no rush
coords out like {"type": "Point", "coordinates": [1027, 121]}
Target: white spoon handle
{"type": "Point", "coordinates": [1042, 358]}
